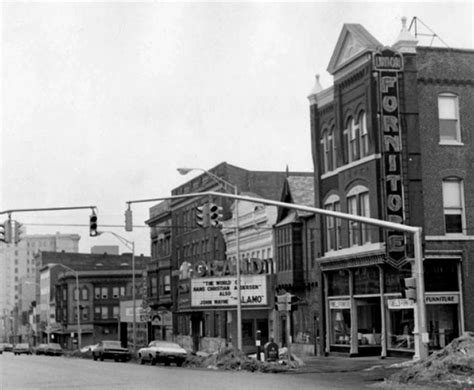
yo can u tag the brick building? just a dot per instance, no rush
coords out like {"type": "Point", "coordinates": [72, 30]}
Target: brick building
{"type": "Point", "coordinates": [392, 139]}
{"type": "Point", "coordinates": [104, 281]}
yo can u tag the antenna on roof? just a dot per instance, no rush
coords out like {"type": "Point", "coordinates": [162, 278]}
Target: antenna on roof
{"type": "Point", "coordinates": [432, 34]}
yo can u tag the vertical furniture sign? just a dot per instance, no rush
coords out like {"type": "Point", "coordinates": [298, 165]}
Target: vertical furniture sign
{"type": "Point", "coordinates": [389, 64]}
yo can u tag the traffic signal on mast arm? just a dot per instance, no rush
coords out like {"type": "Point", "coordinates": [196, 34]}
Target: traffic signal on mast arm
{"type": "Point", "coordinates": [215, 215]}
{"type": "Point", "coordinates": [18, 232]}
{"type": "Point", "coordinates": [128, 220]}
{"type": "Point", "coordinates": [6, 231]}
{"type": "Point", "coordinates": [409, 288]}
{"type": "Point", "coordinates": [202, 215]}
{"type": "Point", "coordinates": [93, 225]}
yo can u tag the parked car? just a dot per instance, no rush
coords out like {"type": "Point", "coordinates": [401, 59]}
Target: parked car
{"type": "Point", "coordinates": [88, 348]}
{"type": "Point", "coordinates": [41, 349]}
{"type": "Point", "coordinates": [166, 352]}
{"type": "Point", "coordinates": [1, 348]}
{"type": "Point", "coordinates": [7, 347]}
{"type": "Point", "coordinates": [20, 348]}
{"type": "Point", "coordinates": [111, 349]}
{"type": "Point", "coordinates": [54, 349]}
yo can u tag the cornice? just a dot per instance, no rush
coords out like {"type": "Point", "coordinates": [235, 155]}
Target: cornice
{"type": "Point", "coordinates": [444, 81]}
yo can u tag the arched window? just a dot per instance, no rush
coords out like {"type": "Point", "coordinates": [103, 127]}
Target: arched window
{"type": "Point", "coordinates": [354, 140]}
{"type": "Point", "coordinates": [327, 150]}
{"type": "Point", "coordinates": [364, 137]}
{"type": "Point", "coordinates": [358, 204]}
{"type": "Point", "coordinates": [448, 114]}
{"type": "Point", "coordinates": [333, 225]}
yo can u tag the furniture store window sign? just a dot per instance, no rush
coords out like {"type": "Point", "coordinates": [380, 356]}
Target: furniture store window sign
{"type": "Point", "coordinates": [441, 299]}
{"type": "Point", "coordinates": [222, 291]}
{"type": "Point", "coordinates": [389, 64]}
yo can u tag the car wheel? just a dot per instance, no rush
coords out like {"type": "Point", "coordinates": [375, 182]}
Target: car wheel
{"type": "Point", "coordinates": [142, 361]}
{"type": "Point", "coordinates": [101, 357]}
{"type": "Point", "coordinates": [179, 363]}
{"type": "Point", "coordinates": [94, 357]}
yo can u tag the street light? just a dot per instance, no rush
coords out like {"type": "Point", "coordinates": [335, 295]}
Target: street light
{"type": "Point", "coordinates": [226, 185]}
{"type": "Point", "coordinates": [130, 245]}
{"type": "Point", "coordinates": [78, 306]}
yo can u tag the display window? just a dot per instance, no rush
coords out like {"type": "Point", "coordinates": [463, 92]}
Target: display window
{"type": "Point", "coordinates": [369, 321]}
{"type": "Point", "coordinates": [443, 326]}
{"type": "Point", "coordinates": [401, 323]}
{"type": "Point", "coordinates": [341, 326]}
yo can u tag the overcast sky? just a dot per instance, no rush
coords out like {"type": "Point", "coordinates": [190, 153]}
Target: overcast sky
{"type": "Point", "coordinates": [102, 102]}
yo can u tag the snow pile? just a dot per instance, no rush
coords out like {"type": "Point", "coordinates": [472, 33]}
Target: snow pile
{"type": "Point", "coordinates": [453, 365]}
{"type": "Point", "coordinates": [232, 359]}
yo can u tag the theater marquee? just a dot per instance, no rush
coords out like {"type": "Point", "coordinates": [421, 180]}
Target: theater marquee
{"type": "Point", "coordinates": [222, 291]}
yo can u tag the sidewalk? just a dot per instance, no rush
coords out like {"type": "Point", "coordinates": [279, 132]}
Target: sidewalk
{"type": "Point", "coordinates": [332, 364]}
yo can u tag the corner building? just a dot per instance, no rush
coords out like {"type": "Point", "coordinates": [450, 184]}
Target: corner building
{"type": "Point", "coordinates": [392, 140]}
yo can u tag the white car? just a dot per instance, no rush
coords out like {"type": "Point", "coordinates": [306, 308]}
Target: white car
{"type": "Point", "coordinates": [162, 352]}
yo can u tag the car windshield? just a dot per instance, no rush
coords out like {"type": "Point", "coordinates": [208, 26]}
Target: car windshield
{"type": "Point", "coordinates": [164, 344]}
{"type": "Point", "coordinates": [113, 344]}
{"type": "Point", "coordinates": [42, 345]}
{"type": "Point", "coordinates": [54, 346]}
{"type": "Point", "coordinates": [22, 345]}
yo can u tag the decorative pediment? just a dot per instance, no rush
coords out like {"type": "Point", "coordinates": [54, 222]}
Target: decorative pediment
{"type": "Point", "coordinates": [353, 41]}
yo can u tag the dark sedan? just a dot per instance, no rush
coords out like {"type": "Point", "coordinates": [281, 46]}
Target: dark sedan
{"type": "Point", "coordinates": [22, 348]}
{"type": "Point", "coordinates": [41, 349]}
{"type": "Point", "coordinates": [111, 349]}
{"type": "Point", "coordinates": [54, 349]}
{"type": "Point", "coordinates": [7, 347]}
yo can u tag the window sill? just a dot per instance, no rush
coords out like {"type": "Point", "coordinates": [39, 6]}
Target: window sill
{"type": "Point", "coordinates": [451, 143]}
{"type": "Point", "coordinates": [350, 165]}
{"type": "Point", "coordinates": [450, 237]}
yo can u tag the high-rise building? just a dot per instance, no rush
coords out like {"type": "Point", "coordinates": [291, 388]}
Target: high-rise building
{"type": "Point", "coordinates": [18, 264]}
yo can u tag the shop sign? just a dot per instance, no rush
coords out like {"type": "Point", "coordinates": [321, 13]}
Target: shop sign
{"type": "Point", "coordinates": [222, 291]}
{"type": "Point", "coordinates": [389, 63]}
{"type": "Point", "coordinates": [340, 304]}
{"type": "Point", "coordinates": [400, 303]}
{"type": "Point", "coordinates": [439, 299]}
{"type": "Point", "coordinates": [388, 60]}
{"type": "Point", "coordinates": [161, 318]}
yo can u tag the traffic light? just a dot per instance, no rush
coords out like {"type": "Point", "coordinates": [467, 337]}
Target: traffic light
{"type": "Point", "coordinates": [128, 220]}
{"type": "Point", "coordinates": [202, 215]}
{"type": "Point", "coordinates": [215, 215]}
{"type": "Point", "coordinates": [282, 302]}
{"type": "Point", "coordinates": [18, 232]}
{"type": "Point", "coordinates": [410, 288]}
{"type": "Point", "coordinates": [6, 231]}
{"type": "Point", "coordinates": [93, 225]}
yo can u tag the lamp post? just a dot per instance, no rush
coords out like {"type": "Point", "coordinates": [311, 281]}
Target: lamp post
{"type": "Point", "coordinates": [33, 323]}
{"type": "Point", "coordinates": [78, 306]}
{"type": "Point", "coordinates": [130, 245]}
{"type": "Point", "coordinates": [225, 184]}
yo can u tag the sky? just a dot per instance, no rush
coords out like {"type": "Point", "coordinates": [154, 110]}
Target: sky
{"type": "Point", "coordinates": [102, 102]}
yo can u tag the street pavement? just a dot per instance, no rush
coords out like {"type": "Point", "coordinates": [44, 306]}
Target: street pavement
{"type": "Point", "coordinates": [328, 373]}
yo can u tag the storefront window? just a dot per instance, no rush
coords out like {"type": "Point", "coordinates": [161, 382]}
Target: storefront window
{"type": "Point", "coordinates": [341, 326]}
{"type": "Point", "coordinates": [400, 329]}
{"type": "Point", "coordinates": [366, 281]}
{"type": "Point", "coordinates": [338, 283]}
{"type": "Point", "coordinates": [443, 324]}
{"type": "Point", "coordinates": [393, 276]}
{"type": "Point", "coordinates": [369, 322]}
{"type": "Point", "coordinates": [441, 275]}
